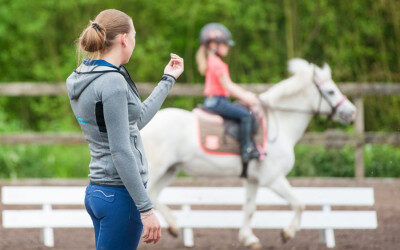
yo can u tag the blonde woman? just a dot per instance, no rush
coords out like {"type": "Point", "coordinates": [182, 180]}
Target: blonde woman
{"type": "Point", "coordinates": [107, 106]}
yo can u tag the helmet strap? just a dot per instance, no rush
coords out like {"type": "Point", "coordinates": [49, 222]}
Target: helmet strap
{"type": "Point", "coordinates": [215, 50]}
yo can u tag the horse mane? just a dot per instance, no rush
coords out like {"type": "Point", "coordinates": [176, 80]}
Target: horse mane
{"type": "Point", "coordinates": [301, 71]}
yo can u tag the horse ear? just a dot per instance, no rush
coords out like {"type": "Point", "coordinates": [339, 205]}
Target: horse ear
{"type": "Point", "coordinates": [327, 69]}
{"type": "Point", "coordinates": [318, 72]}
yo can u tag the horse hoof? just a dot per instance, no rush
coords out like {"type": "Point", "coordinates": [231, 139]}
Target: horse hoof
{"type": "Point", "coordinates": [285, 237]}
{"type": "Point", "coordinates": [255, 245]}
{"type": "Point", "coordinates": [173, 231]}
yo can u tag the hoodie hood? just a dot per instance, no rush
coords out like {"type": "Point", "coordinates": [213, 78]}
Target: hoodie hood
{"type": "Point", "coordinates": [82, 77]}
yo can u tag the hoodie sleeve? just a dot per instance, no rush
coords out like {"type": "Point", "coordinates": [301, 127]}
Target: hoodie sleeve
{"type": "Point", "coordinates": [153, 103]}
{"type": "Point", "coordinates": [115, 108]}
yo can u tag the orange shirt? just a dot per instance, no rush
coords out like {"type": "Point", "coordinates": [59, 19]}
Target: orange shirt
{"type": "Point", "coordinates": [215, 68]}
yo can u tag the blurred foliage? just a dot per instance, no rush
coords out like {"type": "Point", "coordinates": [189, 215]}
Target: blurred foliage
{"type": "Point", "coordinates": [56, 162]}
{"type": "Point", "coordinates": [319, 161]}
{"type": "Point", "coordinates": [359, 39]}
{"type": "Point", "coordinates": [380, 161]}
{"type": "Point", "coordinates": [44, 161]}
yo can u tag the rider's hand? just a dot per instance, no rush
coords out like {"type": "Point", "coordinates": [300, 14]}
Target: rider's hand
{"type": "Point", "coordinates": [252, 99]}
{"type": "Point", "coordinates": [254, 104]}
{"type": "Point", "coordinates": [174, 66]}
{"type": "Point", "coordinates": [151, 227]}
{"type": "Point", "coordinates": [257, 111]}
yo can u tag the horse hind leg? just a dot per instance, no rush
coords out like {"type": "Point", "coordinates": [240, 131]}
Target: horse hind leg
{"type": "Point", "coordinates": [282, 187]}
{"type": "Point", "coordinates": [246, 235]}
{"type": "Point", "coordinates": [158, 183]}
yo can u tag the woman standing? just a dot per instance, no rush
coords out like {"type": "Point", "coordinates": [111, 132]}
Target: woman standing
{"type": "Point", "coordinates": [215, 41]}
{"type": "Point", "coordinates": [108, 108]}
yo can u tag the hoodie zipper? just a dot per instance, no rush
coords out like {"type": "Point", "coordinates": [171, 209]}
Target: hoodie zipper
{"type": "Point", "coordinates": [135, 142]}
{"type": "Point", "coordinates": [128, 78]}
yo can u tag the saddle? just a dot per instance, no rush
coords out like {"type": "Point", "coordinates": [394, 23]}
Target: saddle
{"type": "Point", "coordinates": [220, 136]}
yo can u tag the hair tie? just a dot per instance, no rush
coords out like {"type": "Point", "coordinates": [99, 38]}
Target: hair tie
{"type": "Point", "coordinates": [96, 26]}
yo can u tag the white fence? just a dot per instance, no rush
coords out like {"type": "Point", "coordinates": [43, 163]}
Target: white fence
{"type": "Point", "coordinates": [325, 219]}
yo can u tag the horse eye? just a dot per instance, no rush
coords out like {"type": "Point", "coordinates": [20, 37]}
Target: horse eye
{"type": "Point", "coordinates": [331, 92]}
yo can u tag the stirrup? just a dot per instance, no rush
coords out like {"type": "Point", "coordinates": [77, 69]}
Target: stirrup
{"type": "Point", "coordinates": [251, 153]}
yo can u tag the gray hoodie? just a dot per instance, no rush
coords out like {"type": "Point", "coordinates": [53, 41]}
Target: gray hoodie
{"type": "Point", "coordinates": [110, 113]}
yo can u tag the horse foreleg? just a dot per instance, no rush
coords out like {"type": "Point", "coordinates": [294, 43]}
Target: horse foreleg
{"type": "Point", "coordinates": [246, 235]}
{"type": "Point", "coordinates": [157, 184]}
{"type": "Point", "coordinates": [282, 187]}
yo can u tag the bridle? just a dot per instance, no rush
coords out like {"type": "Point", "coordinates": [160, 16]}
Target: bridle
{"type": "Point", "coordinates": [322, 96]}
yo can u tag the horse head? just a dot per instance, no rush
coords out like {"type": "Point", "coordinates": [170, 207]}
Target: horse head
{"type": "Point", "coordinates": [316, 86]}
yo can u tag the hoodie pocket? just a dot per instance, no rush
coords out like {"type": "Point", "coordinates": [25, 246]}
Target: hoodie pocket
{"type": "Point", "coordinates": [110, 170]}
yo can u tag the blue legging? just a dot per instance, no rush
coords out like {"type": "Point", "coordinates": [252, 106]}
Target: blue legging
{"type": "Point", "coordinates": [116, 220]}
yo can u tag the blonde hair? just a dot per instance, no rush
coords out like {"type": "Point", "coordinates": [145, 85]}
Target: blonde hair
{"type": "Point", "coordinates": [201, 59]}
{"type": "Point", "coordinates": [99, 34]}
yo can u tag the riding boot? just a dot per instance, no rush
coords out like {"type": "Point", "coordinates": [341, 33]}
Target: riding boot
{"type": "Point", "coordinates": [248, 149]}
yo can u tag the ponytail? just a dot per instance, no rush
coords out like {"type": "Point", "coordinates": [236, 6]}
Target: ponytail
{"type": "Point", "coordinates": [92, 40]}
{"type": "Point", "coordinates": [201, 59]}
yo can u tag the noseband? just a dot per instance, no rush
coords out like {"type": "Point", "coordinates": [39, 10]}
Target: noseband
{"type": "Point", "coordinates": [322, 95]}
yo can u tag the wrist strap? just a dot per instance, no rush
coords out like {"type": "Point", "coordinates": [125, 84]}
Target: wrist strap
{"type": "Point", "coordinates": [166, 76]}
{"type": "Point", "coordinates": [146, 214]}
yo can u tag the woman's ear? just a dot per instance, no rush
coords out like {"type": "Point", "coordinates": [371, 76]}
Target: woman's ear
{"type": "Point", "coordinates": [124, 39]}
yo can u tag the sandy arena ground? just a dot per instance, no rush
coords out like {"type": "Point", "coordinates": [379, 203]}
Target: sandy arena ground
{"type": "Point", "coordinates": [387, 236]}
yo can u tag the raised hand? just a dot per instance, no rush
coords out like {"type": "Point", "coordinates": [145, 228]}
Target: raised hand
{"type": "Point", "coordinates": [175, 66]}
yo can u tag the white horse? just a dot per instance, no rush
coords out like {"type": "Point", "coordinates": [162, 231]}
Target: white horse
{"type": "Point", "coordinates": [171, 143]}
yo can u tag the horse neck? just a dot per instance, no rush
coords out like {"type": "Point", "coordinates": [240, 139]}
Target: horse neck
{"type": "Point", "coordinates": [291, 125]}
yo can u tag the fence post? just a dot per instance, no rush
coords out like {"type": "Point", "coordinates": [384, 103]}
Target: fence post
{"type": "Point", "coordinates": [48, 232]}
{"type": "Point", "coordinates": [359, 131]}
{"type": "Point", "coordinates": [187, 231]}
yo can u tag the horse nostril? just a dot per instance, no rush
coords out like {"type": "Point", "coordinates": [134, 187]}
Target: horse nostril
{"type": "Point", "coordinates": [349, 115]}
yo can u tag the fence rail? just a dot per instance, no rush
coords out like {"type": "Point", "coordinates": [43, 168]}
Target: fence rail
{"type": "Point", "coordinates": [328, 138]}
{"type": "Point", "coordinates": [181, 89]}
